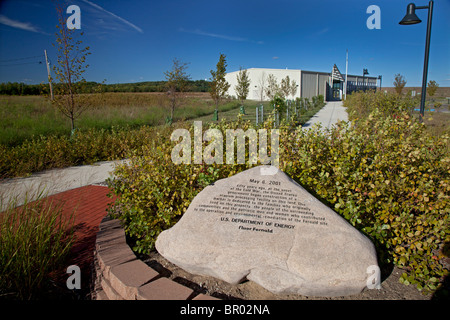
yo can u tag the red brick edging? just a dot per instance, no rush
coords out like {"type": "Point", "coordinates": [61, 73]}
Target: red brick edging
{"type": "Point", "coordinates": [120, 275]}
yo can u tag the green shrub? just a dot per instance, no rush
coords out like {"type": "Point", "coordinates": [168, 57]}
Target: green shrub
{"type": "Point", "coordinates": [154, 192]}
{"type": "Point", "coordinates": [278, 103]}
{"type": "Point", "coordinates": [360, 104]}
{"type": "Point", "coordinates": [34, 242]}
{"type": "Point", "coordinates": [385, 174]}
{"type": "Point", "coordinates": [389, 179]}
{"type": "Point", "coordinates": [84, 147]}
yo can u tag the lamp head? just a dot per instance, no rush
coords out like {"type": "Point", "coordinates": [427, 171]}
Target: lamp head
{"type": "Point", "coordinates": [410, 17]}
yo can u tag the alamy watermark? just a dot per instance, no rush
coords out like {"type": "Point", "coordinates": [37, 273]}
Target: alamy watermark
{"type": "Point", "coordinates": [74, 20]}
{"type": "Point", "coordinates": [213, 152]}
{"type": "Point", "coordinates": [74, 281]}
{"type": "Point", "coordinates": [374, 279]}
{"type": "Point", "coordinates": [374, 20]}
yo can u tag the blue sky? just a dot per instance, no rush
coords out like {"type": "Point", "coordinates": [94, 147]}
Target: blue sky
{"type": "Point", "coordinates": [132, 41]}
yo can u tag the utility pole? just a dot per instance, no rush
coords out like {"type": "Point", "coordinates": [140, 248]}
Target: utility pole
{"type": "Point", "coordinates": [49, 77]}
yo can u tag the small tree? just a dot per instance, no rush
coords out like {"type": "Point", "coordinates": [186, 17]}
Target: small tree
{"type": "Point", "coordinates": [262, 86]}
{"type": "Point", "coordinates": [272, 87]}
{"type": "Point", "coordinates": [288, 87]}
{"type": "Point", "coordinates": [432, 87]}
{"type": "Point", "coordinates": [293, 88]}
{"type": "Point", "coordinates": [399, 83]}
{"type": "Point", "coordinates": [285, 86]}
{"type": "Point", "coordinates": [243, 85]}
{"type": "Point", "coordinates": [177, 83]}
{"type": "Point", "coordinates": [219, 85]}
{"type": "Point", "coordinates": [68, 71]}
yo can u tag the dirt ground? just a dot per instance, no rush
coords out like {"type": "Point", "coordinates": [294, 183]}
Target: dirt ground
{"type": "Point", "coordinates": [391, 288]}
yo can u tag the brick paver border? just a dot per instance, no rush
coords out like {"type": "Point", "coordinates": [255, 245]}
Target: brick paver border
{"type": "Point", "coordinates": [120, 275]}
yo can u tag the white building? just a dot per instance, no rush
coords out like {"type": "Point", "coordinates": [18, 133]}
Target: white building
{"type": "Point", "coordinates": [309, 83]}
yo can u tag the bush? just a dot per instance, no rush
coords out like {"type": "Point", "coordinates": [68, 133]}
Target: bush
{"type": "Point", "coordinates": [84, 147]}
{"type": "Point", "coordinates": [384, 173]}
{"type": "Point", "coordinates": [154, 192]}
{"type": "Point", "coordinates": [389, 179]}
{"type": "Point", "coordinates": [360, 104]}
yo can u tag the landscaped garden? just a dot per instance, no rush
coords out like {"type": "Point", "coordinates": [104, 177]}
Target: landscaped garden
{"type": "Point", "coordinates": [384, 172]}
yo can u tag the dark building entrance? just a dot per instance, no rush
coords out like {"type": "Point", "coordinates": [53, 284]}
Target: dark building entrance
{"type": "Point", "coordinates": [337, 90]}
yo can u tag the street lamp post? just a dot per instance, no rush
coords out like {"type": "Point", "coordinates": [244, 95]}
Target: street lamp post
{"type": "Point", "coordinates": [411, 18]}
{"type": "Point", "coordinates": [364, 81]}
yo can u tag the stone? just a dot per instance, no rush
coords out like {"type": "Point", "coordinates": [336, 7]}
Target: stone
{"type": "Point", "coordinates": [262, 226]}
{"type": "Point", "coordinates": [163, 289]}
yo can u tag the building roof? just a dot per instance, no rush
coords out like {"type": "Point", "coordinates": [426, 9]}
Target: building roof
{"type": "Point", "coordinates": [336, 74]}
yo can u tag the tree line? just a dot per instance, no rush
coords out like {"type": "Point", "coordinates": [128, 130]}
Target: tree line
{"type": "Point", "coordinates": [20, 88]}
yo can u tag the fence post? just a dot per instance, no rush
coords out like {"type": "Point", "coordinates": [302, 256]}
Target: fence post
{"type": "Point", "coordinates": [262, 113]}
{"type": "Point", "coordinates": [257, 114]}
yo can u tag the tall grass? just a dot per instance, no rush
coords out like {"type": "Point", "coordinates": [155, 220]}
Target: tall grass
{"type": "Point", "coordinates": [34, 242]}
{"type": "Point", "coordinates": [28, 117]}
{"type": "Point", "coordinates": [24, 117]}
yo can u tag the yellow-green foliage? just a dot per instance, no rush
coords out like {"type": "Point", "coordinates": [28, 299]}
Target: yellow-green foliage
{"type": "Point", "coordinates": [84, 147]}
{"type": "Point", "coordinates": [154, 192]}
{"type": "Point", "coordinates": [384, 173]}
{"type": "Point", "coordinates": [360, 105]}
{"type": "Point", "coordinates": [389, 179]}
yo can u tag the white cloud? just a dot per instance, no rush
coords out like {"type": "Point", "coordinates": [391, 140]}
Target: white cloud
{"type": "Point", "coordinates": [214, 35]}
{"type": "Point", "coordinates": [325, 30]}
{"type": "Point", "coordinates": [96, 6]}
{"type": "Point", "coordinates": [18, 24]}
{"type": "Point", "coordinates": [219, 36]}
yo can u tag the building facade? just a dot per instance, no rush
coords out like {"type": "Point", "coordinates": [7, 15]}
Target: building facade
{"type": "Point", "coordinates": [331, 85]}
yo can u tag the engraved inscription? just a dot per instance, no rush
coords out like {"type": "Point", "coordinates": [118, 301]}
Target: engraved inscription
{"type": "Point", "coordinates": [263, 206]}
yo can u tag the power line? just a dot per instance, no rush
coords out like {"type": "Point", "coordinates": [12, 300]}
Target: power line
{"type": "Point", "coordinates": [18, 59]}
{"type": "Point", "coordinates": [20, 64]}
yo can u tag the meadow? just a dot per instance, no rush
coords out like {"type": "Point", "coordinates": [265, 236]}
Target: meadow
{"type": "Point", "coordinates": [35, 136]}
{"type": "Point", "coordinates": [27, 117]}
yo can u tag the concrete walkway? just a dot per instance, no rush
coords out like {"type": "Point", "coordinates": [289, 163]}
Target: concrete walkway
{"type": "Point", "coordinates": [328, 115]}
{"type": "Point", "coordinates": [53, 181]}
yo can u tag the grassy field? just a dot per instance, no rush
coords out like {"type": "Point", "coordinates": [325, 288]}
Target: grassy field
{"type": "Point", "coordinates": [22, 117]}
{"type": "Point", "coordinates": [34, 136]}
{"type": "Point", "coordinates": [437, 123]}
{"type": "Point", "coordinates": [25, 117]}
